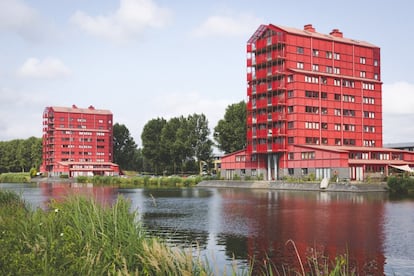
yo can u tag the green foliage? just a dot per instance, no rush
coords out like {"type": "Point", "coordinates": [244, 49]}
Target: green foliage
{"type": "Point", "coordinates": [64, 176]}
{"type": "Point", "coordinates": [20, 155]}
{"type": "Point", "coordinates": [151, 144]}
{"type": "Point", "coordinates": [230, 132]}
{"type": "Point", "coordinates": [400, 184]}
{"type": "Point", "coordinates": [126, 153]}
{"type": "Point", "coordinates": [82, 179]}
{"type": "Point", "coordinates": [32, 172]}
{"type": "Point", "coordinates": [176, 145]}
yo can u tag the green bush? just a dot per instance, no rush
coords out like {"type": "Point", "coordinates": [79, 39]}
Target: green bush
{"type": "Point", "coordinates": [32, 172]}
{"type": "Point", "coordinates": [82, 179]}
{"type": "Point", "coordinates": [400, 185]}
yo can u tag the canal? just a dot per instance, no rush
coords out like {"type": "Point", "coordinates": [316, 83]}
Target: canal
{"type": "Point", "coordinates": [232, 226]}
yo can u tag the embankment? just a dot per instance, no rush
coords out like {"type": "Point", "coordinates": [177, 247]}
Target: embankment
{"type": "Point", "coordinates": [279, 185]}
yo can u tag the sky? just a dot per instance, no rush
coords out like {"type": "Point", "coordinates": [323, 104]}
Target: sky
{"type": "Point", "coordinates": [147, 59]}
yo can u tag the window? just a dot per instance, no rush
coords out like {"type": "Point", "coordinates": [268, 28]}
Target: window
{"type": "Point", "coordinates": [308, 155]}
{"type": "Point", "coordinates": [290, 125]}
{"type": "Point", "coordinates": [291, 140]}
{"type": "Point", "coordinates": [290, 109]}
{"type": "Point", "coordinates": [348, 83]}
{"type": "Point", "coordinates": [368, 86]}
{"type": "Point", "coordinates": [329, 69]}
{"type": "Point", "coordinates": [290, 94]}
{"type": "Point", "coordinates": [291, 171]}
{"type": "Point", "coordinates": [299, 65]}
{"type": "Point", "coordinates": [324, 125]}
{"type": "Point", "coordinates": [349, 112]}
{"type": "Point", "coordinates": [337, 112]}
{"type": "Point", "coordinates": [362, 74]}
{"type": "Point", "coordinates": [324, 141]}
{"type": "Point", "coordinates": [324, 95]}
{"type": "Point", "coordinates": [311, 109]}
{"type": "Point", "coordinates": [376, 76]}
{"type": "Point", "coordinates": [375, 62]}
{"type": "Point", "coordinates": [311, 94]}
{"type": "Point", "coordinates": [362, 60]}
{"type": "Point", "coordinates": [337, 70]}
{"type": "Point", "coordinates": [315, 52]}
{"type": "Point", "coordinates": [348, 127]}
{"type": "Point", "coordinates": [337, 127]}
{"type": "Point", "coordinates": [312, 140]}
{"type": "Point", "coordinates": [328, 54]}
{"type": "Point", "coordinates": [304, 171]}
{"type": "Point", "coordinates": [337, 82]}
{"type": "Point", "coordinates": [299, 50]}
{"type": "Point", "coordinates": [348, 98]}
{"type": "Point", "coordinates": [368, 114]}
{"type": "Point", "coordinates": [349, 142]}
{"type": "Point", "coordinates": [290, 78]}
{"type": "Point", "coordinates": [324, 110]}
{"type": "Point", "coordinates": [337, 56]}
{"type": "Point", "coordinates": [311, 79]}
{"type": "Point", "coordinates": [315, 67]}
{"type": "Point", "coordinates": [337, 97]}
{"type": "Point", "coordinates": [312, 125]}
{"type": "Point", "coordinates": [337, 142]}
{"type": "Point", "coordinates": [368, 100]}
{"type": "Point", "coordinates": [291, 156]}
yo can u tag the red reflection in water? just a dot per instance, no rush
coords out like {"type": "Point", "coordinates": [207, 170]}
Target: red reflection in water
{"type": "Point", "coordinates": [319, 224]}
{"type": "Point", "coordinates": [104, 195]}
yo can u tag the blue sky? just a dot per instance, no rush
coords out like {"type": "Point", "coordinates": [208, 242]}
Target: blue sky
{"type": "Point", "coordinates": [144, 59]}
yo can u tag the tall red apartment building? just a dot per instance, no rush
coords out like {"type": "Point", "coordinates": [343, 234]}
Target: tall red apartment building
{"type": "Point", "coordinates": [77, 141]}
{"type": "Point", "coordinates": [314, 106]}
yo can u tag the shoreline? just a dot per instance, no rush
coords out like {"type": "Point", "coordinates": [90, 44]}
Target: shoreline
{"type": "Point", "coordinates": [280, 185]}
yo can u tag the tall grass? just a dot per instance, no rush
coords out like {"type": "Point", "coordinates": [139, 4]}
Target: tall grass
{"type": "Point", "coordinates": [79, 237]}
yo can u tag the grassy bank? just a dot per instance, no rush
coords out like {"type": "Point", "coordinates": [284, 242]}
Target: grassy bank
{"type": "Point", "coordinates": [142, 181]}
{"type": "Point", "coordinates": [15, 177]}
{"type": "Point", "coordinates": [79, 237]}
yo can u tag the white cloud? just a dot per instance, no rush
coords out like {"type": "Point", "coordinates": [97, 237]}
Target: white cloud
{"type": "Point", "coordinates": [17, 17]}
{"type": "Point", "coordinates": [217, 25]}
{"type": "Point", "coordinates": [49, 68]}
{"type": "Point", "coordinates": [129, 21]}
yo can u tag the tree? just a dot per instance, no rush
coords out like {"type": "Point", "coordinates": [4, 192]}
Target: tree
{"type": "Point", "coordinates": [200, 143]}
{"type": "Point", "coordinates": [151, 144]}
{"type": "Point", "coordinates": [20, 155]}
{"type": "Point", "coordinates": [230, 132]}
{"type": "Point", "coordinates": [126, 154]}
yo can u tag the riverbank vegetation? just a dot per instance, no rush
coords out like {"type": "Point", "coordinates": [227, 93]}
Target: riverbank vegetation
{"type": "Point", "coordinates": [401, 185]}
{"type": "Point", "coordinates": [143, 181]}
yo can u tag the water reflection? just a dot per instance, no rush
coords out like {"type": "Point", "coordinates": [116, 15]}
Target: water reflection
{"type": "Point", "coordinates": [332, 223]}
{"type": "Point", "coordinates": [241, 224]}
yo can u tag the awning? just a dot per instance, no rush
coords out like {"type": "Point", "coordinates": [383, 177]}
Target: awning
{"type": "Point", "coordinates": [403, 168]}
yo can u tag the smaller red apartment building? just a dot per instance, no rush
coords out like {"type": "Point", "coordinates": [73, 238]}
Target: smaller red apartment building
{"type": "Point", "coordinates": [314, 106]}
{"type": "Point", "coordinates": [77, 142]}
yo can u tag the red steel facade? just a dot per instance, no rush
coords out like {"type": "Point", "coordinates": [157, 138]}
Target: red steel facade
{"type": "Point", "coordinates": [77, 141]}
{"type": "Point", "coordinates": [314, 105]}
